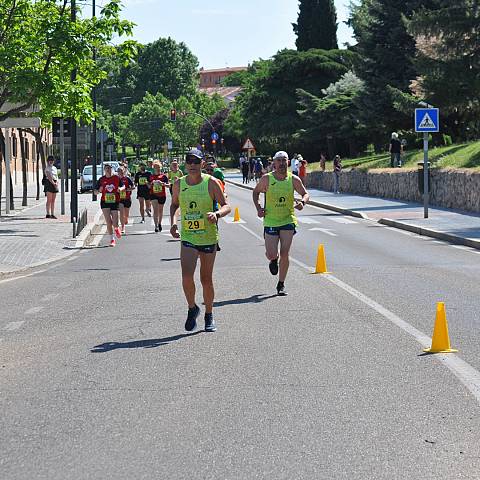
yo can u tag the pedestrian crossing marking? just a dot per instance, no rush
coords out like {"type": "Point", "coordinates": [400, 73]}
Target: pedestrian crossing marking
{"type": "Point", "coordinates": [427, 122]}
{"type": "Point", "coordinates": [346, 221]}
{"type": "Point", "coordinates": [307, 220]}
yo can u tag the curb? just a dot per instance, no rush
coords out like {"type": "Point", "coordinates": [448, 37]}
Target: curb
{"type": "Point", "coordinates": [83, 239]}
{"type": "Point", "coordinates": [426, 232]}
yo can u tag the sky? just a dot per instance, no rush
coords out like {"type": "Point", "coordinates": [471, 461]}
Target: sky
{"type": "Point", "coordinates": [225, 32]}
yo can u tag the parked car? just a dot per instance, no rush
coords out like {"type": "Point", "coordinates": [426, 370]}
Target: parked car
{"type": "Point", "coordinates": [86, 179]}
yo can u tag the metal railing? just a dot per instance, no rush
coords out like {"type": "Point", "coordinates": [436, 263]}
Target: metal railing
{"type": "Point", "coordinates": [79, 225]}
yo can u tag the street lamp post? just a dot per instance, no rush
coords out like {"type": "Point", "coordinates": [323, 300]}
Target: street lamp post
{"type": "Point", "coordinates": [93, 143]}
{"type": "Point", "coordinates": [73, 148]}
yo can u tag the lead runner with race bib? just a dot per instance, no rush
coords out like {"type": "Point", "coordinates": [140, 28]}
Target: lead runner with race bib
{"type": "Point", "coordinates": [195, 194]}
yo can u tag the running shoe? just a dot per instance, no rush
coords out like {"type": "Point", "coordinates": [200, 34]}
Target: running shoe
{"type": "Point", "coordinates": [159, 227]}
{"type": "Point", "coordinates": [210, 325]}
{"type": "Point", "coordinates": [191, 323]}
{"type": "Point", "coordinates": [118, 233]}
{"type": "Point", "coordinates": [48, 216]}
{"type": "Point", "coordinates": [53, 216]}
{"type": "Point", "coordinates": [156, 229]}
{"type": "Point", "coordinates": [113, 242]}
{"type": "Point", "coordinates": [281, 289]}
{"type": "Point", "coordinates": [142, 220]}
{"type": "Point", "coordinates": [273, 266]}
{"type": "Point", "coordinates": [123, 231]}
{"type": "Point", "coordinates": [149, 213]}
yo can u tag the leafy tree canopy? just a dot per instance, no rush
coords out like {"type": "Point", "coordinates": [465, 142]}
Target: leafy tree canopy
{"type": "Point", "coordinates": [40, 46]}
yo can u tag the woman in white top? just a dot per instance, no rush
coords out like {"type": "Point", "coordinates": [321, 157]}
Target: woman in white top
{"type": "Point", "coordinates": [50, 185]}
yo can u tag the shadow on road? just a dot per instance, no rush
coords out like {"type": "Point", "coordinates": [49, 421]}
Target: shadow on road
{"type": "Point", "coordinates": [170, 259]}
{"type": "Point", "coordinates": [240, 301]}
{"type": "Point", "coordinates": [150, 343]}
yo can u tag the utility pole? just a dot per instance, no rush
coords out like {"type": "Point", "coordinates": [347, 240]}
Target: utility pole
{"type": "Point", "coordinates": [73, 148]}
{"type": "Point", "coordinates": [93, 145]}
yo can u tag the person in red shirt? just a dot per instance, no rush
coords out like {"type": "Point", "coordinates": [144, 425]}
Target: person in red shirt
{"type": "Point", "coordinates": [158, 182]}
{"type": "Point", "coordinates": [302, 169]}
{"type": "Point", "coordinates": [110, 186]}
{"type": "Point", "coordinates": [125, 197]}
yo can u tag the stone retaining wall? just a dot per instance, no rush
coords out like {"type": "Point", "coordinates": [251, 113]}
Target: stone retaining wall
{"type": "Point", "coordinates": [458, 189]}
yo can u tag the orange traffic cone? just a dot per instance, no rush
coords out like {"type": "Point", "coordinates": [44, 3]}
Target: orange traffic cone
{"type": "Point", "coordinates": [236, 216]}
{"type": "Point", "coordinates": [440, 338]}
{"type": "Point", "coordinates": [321, 266]}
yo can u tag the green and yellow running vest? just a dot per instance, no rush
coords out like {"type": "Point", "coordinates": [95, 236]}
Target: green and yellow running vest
{"type": "Point", "coordinates": [279, 202]}
{"type": "Point", "coordinates": [195, 203]}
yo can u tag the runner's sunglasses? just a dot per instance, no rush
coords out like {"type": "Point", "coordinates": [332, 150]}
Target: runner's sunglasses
{"type": "Point", "coordinates": [194, 160]}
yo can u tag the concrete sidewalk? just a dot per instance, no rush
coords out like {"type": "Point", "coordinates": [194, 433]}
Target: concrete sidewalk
{"type": "Point", "coordinates": [28, 239]}
{"type": "Point", "coordinates": [462, 228]}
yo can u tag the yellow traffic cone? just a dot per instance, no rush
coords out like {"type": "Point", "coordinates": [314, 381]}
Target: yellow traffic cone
{"type": "Point", "coordinates": [236, 216]}
{"type": "Point", "coordinates": [440, 338]}
{"type": "Point", "coordinates": [321, 266]}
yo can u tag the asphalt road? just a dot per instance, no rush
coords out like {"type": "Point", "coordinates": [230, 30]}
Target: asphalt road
{"type": "Point", "coordinates": [99, 380]}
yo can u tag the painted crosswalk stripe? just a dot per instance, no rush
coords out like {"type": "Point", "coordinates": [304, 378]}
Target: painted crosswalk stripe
{"type": "Point", "coordinates": [343, 220]}
{"type": "Point", "coordinates": [323, 230]}
{"type": "Point", "coordinates": [307, 220]}
{"type": "Point", "coordinates": [33, 310]}
{"type": "Point", "coordinates": [13, 325]}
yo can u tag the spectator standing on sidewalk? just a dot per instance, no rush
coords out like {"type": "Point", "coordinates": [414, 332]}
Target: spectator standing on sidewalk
{"type": "Point", "coordinates": [337, 170]}
{"type": "Point", "coordinates": [50, 186]}
{"type": "Point", "coordinates": [245, 166]}
{"type": "Point", "coordinates": [396, 150]}
{"type": "Point", "coordinates": [302, 169]}
{"type": "Point", "coordinates": [322, 162]}
{"type": "Point", "coordinates": [295, 164]}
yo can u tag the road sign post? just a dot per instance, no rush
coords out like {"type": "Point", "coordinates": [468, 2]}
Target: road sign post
{"type": "Point", "coordinates": [427, 120]}
{"type": "Point", "coordinates": [64, 171]}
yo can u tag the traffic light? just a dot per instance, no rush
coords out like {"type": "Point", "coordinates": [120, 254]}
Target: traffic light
{"type": "Point", "coordinates": [173, 115]}
{"type": "Point", "coordinates": [214, 142]}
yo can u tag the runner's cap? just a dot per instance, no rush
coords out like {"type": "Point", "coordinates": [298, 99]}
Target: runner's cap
{"type": "Point", "coordinates": [280, 154]}
{"type": "Point", "coordinates": [195, 152]}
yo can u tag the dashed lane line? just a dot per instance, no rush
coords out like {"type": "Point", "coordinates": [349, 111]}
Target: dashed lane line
{"type": "Point", "coordinates": [323, 230]}
{"type": "Point", "coordinates": [13, 325]}
{"type": "Point", "coordinates": [34, 310]}
{"type": "Point", "coordinates": [343, 220]}
{"type": "Point", "coordinates": [465, 373]}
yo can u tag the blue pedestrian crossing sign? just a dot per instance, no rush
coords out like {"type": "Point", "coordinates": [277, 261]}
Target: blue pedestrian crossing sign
{"type": "Point", "coordinates": [427, 120]}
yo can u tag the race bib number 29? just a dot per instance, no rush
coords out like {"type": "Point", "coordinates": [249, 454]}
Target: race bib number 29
{"type": "Point", "coordinates": [194, 223]}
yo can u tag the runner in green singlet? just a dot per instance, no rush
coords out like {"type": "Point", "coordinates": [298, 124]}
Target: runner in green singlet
{"type": "Point", "coordinates": [279, 219]}
{"type": "Point", "coordinates": [195, 194]}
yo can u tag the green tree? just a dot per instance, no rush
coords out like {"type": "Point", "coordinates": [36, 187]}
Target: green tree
{"type": "Point", "coordinates": [316, 26]}
{"type": "Point", "coordinates": [448, 45]}
{"type": "Point", "coordinates": [386, 58]}
{"type": "Point", "coordinates": [268, 105]}
{"type": "Point", "coordinates": [333, 119]}
{"type": "Point", "coordinates": [163, 66]}
{"type": "Point", "coordinates": [39, 48]}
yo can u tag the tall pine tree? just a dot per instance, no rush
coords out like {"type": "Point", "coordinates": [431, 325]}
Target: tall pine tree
{"type": "Point", "coordinates": [386, 58]}
{"type": "Point", "coordinates": [317, 25]}
{"type": "Point", "coordinates": [448, 41]}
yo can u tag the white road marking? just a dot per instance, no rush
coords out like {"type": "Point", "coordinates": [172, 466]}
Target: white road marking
{"type": "Point", "coordinates": [323, 230]}
{"type": "Point", "coordinates": [307, 220]}
{"type": "Point", "coordinates": [343, 220]}
{"type": "Point", "coordinates": [33, 310]}
{"type": "Point", "coordinates": [49, 297]}
{"type": "Point", "coordinates": [13, 325]}
{"type": "Point", "coordinates": [230, 220]}
{"type": "Point", "coordinates": [461, 247]}
{"type": "Point", "coordinates": [468, 375]}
